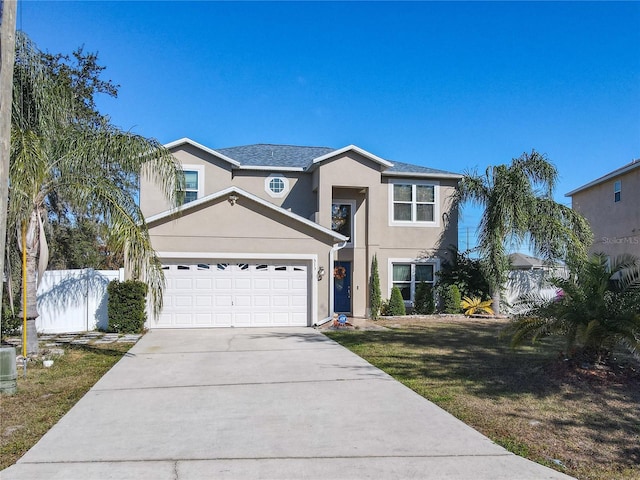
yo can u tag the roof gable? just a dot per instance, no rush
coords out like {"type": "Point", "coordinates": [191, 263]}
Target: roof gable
{"type": "Point", "coordinates": [201, 202]}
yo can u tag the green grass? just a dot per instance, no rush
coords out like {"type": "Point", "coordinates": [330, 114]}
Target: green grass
{"type": "Point", "coordinates": [48, 393]}
{"type": "Point", "coordinates": [529, 401]}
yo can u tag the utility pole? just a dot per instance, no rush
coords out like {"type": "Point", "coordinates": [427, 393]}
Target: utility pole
{"type": "Point", "coordinates": [7, 57]}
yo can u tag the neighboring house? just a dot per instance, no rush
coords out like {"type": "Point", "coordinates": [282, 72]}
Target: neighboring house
{"type": "Point", "coordinates": [611, 205]}
{"type": "Point", "coordinates": [285, 235]}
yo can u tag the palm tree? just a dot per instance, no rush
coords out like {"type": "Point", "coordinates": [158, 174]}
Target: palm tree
{"type": "Point", "coordinates": [598, 307]}
{"type": "Point", "coordinates": [57, 150]}
{"type": "Point", "coordinates": [518, 206]}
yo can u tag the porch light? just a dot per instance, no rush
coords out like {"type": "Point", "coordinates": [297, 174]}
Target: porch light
{"type": "Point", "coordinates": [320, 273]}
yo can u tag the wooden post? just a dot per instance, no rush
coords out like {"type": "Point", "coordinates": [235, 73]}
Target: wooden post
{"type": "Point", "coordinates": [7, 57]}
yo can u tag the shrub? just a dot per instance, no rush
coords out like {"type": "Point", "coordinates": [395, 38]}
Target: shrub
{"type": "Point", "coordinates": [450, 299]}
{"type": "Point", "coordinates": [396, 303]}
{"type": "Point", "coordinates": [472, 306]}
{"type": "Point", "coordinates": [596, 309]}
{"type": "Point", "coordinates": [10, 323]}
{"type": "Point", "coordinates": [424, 303]}
{"type": "Point", "coordinates": [126, 306]}
{"type": "Point", "coordinates": [375, 296]}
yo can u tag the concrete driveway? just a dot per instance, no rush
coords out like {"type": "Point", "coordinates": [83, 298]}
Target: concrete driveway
{"type": "Point", "coordinates": [259, 403]}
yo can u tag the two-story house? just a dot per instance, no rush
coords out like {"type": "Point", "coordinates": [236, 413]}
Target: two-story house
{"type": "Point", "coordinates": [611, 205]}
{"type": "Point", "coordinates": [279, 235]}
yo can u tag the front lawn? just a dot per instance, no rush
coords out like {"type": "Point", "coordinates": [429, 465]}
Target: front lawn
{"type": "Point", "coordinates": [584, 422]}
{"type": "Point", "coordinates": [48, 393]}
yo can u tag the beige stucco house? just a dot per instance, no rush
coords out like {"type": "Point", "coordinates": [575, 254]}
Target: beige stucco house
{"type": "Point", "coordinates": [280, 235]}
{"type": "Point", "coordinates": [611, 205]}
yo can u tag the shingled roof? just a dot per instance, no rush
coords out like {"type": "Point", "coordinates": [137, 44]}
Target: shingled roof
{"type": "Point", "coordinates": [300, 157]}
{"type": "Point", "coordinates": [268, 155]}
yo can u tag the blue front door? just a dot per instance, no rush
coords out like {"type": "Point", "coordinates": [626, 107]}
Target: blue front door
{"type": "Point", "coordinates": [342, 287]}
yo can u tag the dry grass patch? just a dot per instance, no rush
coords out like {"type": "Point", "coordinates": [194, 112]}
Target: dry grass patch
{"type": "Point", "coordinates": [583, 422]}
{"type": "Point", "coordinates": [48, 393]}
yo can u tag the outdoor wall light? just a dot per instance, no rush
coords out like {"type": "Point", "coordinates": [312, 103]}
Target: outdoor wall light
{"type": "Point", "coordinates": [233, 199]}
{"type": "Point", "coordinates": [320, 273]}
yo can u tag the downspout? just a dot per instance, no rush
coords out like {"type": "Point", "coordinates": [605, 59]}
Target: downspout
{"type": "Point", "coordinates": [334, 249]}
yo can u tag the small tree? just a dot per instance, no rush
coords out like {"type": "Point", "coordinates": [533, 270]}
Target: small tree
{"type": "Point", "coordinates": [375, 295]}
{"type": "Point", "coordinates": [424, 303]}
{"type": "Point", "coordinates": [450, 299]}
{"type": "Point", "coordinates": [396, 303]}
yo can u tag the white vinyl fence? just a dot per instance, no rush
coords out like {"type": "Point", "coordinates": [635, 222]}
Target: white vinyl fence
{"type": "Point", "coordinates": [74, 300]}
{"type": "Point", "coordinates": [529, 283]}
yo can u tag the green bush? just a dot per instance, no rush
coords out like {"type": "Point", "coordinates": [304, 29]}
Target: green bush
{"type": "Point", "coordinates": [126, 306]}
{"type": "Point", "coordinates": [375, 296]}
{"type": "Point", "coordinates": [10, 323]}
{"type": "Point", "coordinates": [396, 303]}
{"type": "Point", "coordinates": [450, 299]}
{"type": "Point", "coordinates": [424, 303]}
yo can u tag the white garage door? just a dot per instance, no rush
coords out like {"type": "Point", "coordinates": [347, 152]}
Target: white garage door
{"type": "Point", "coordinates": [234, 295]}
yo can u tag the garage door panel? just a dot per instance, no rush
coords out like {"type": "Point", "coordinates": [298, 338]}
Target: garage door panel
{"type": "Point", "coordinates": [261, 301]}
{"type": "Point", "coordinates": [280, 301]}
{"type": "Point", "coordinates": [280, 284]}
{"type": "Point", "coordinates": [223, 300]}
{"type": "Point", "coordinates": [242, 283]}
{"type": "Point", "coordinates": [204, 284]}
{"type": "Point", "coordinates": [203, 319]}
{"type": "Point", "coordinates": [183, 283]}
{"type": "Point", "coordinates": [261, 284]}
{"type": "Point", "coordinates": [204, 301]}
{"type": "Point", "coordinates": [242, 300]}
{"type": "Point", "coordinates": [234, 294]}
{"type": "Point", "coordinates": [183, 301]}
{"type": "Point", "coordinates": [298, 301]}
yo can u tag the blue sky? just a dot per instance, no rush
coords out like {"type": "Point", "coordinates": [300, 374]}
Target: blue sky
{"type": "Point", "coordinates": [449, 85]}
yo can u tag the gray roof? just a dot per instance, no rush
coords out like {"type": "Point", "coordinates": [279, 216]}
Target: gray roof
{"type": "Point", "coordinates": [292, 156]}
{"type": "Point", "coordinates": [400, 167]}
{"type": "Point", "coordinates": [267, 155]}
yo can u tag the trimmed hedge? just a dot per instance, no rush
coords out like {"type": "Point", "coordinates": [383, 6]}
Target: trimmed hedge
{"type": "Point", "coordinates": [126, 306]}
{"type": "Point", "coordinates": [451, 299]}
{"type": "Point", "coordinates": [396, 303]}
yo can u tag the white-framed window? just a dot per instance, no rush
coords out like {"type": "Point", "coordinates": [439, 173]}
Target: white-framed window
{"type": "Point", "coordinates": [617, 191]}
{"type": "Point", "coordinates": [414, 203]}
{"type": "Point", "coordinates": [343, 219]}
{"type": "Point", "coordinates": [406, 274]}
{"type": "Point", "coordinates": [194, 182]}
{"type": "Point", "coordinates": [276, 185]}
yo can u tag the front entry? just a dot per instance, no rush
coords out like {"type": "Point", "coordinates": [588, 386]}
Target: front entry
{"type": "Point", "coordinates": [342, 287]}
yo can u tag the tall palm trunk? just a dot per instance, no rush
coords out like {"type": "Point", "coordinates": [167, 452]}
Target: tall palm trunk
{"type": "Point", "coordinates": [495, 297]}
{"type": "Point", "coordinates": [32, 253]}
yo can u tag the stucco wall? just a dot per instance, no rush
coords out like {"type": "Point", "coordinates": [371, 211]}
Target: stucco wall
{"type": "Point", "coordinates": [615, 225]}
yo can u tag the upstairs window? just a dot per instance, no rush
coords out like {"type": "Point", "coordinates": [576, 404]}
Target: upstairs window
{"type": "Point", "coordinates": [190, 186]}
{"type": "Point", "coordinates": [342, 219]}
{"type": "Point", "coordinates": [193, 182]}
{"type": "Point", "coordinates": [617, 190]}
{"type": "Point", "coordinates": [413, 203]}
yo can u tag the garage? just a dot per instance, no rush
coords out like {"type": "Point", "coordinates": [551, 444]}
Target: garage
{"type": "Point", "coordinates": [228, 293]}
